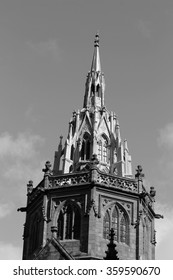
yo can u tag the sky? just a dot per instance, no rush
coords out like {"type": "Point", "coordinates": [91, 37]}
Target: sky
{"type": "Point", "coordinates": [46, 48]}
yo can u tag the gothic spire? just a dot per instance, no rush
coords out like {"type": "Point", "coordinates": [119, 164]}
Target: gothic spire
{"type": "Point", "coordinates": [95, 84]}
{"type": "Point", "coordinates": [96, 66]}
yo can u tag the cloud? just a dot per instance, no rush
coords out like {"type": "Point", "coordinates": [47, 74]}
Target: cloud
{"type": "Point", "coordinates": [10, 252]}
{"type": "Point", "coordinates": [164, 226]}
{"type": "Point", "coordinates": [21, 161]}
{"type": "Point", "coordinates": [31, 115]}
{"type": "Point", "coordinates": [5, 209]}
{"type": "Point", "coordinates": [46, 47]}
{"type": "Point", "coordinates": [165, 161]}
{"type": "Point", "coordinates": [165, 138]}
{"type": "Point", "coordinates": [22, 172]}
{"type": "Point", "coordinates": [144, 26]}
{"type": "Point", "coordinates": [164, 232]}
{"type": "Point", "coordinates": [23, 146]}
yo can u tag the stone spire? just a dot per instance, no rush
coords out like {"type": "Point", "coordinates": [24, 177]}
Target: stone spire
{"type": "Point", "coordinates": [95, 84]}
{"type": "Point", "coordinates": [96, 65]}
{"type": "Point", "coordinates": [94, 131]}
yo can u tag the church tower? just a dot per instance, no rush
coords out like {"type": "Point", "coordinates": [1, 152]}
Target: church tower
{"type": "Point", "coordinates": [90, 190]}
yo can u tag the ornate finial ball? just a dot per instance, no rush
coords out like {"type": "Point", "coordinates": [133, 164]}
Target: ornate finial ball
{"type": "Point", "coordinates": [139, 168]}
{"type": "Point", "coordinates": [152, 192]}
{"type": "Point", "coordinates": [96, 42]}
{"type": "Point", "coordinates": [74, 113]}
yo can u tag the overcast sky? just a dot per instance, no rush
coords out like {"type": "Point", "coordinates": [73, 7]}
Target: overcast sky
{"type": "Point", "coordinates": [46, 48]}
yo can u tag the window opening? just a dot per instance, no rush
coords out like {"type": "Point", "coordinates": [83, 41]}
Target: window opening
{"type": "Point", "coordinates": [106, 226]}
{"type": "Point", "coordinates": [72, 152]}
{"type": "Point", "coordinates": [115, 223]}
{"type": "Point", "coordinates": [86, 148]}
{"type": "Point", "coordinates": [77, 221]}
{"type": "Point", "coordinates": [60, 226]}
{"type": "Point", "coordinates": [69, 223]}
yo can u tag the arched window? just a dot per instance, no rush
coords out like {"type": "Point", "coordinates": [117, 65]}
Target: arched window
{"type": "Point", "coordinates": [77, 224]}
{"type": "Point", "coordinates": [100, 150]}
{"type": "Point", "coordinates": [119, 222]}
{"type": "Point", "coordinates": [115, 223]}
{"type": "Point", "coordinates": [72, 152]}
{"type": "Point", "coordinates": [86, 147]}
{"type": "Point", "coordinates": [146, 237]}
{"type": "Point", "coordinates": [69, 223]}
{"type": "Point", "coordinates": [92, 89]}
{"type": "Point", "coordinates": [69, 216]}
{"type": "Point", "coordinates": [106, 225]}
{"type": "Point", "coordinates": [115, 155]}
{"type": "Point", "coordinates": [103, 150]}
{"type": "Point", "coordinates": [60, 226]}
{"type": "Point", "coordinates": [98, 90]}
{"type": "Point", "coordinates": [123, 230]}
{"type": "Point", "coordinates": [83, 150]}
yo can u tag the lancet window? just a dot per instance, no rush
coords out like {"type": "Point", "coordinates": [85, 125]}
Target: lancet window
{"type": "Point", "coordinates": [72, 152]}
{"type": "Point", "coordinates": [115, 223]}
{"type": "Point", "coordinates": [69, 222]}
{"type": "Point", "coordinates": [92, 89]}
{"type": "Point", "coordinates": [106, 225]}
{"type": "Point", "coordinates": [117, 219]}
{"type": "Point", "coordinates": [98, 89]}
{"type": "Point", "coordinates": [86, 147]}
{"type": "Point", "coordinates": [146, 236]}
{"type": "Point", "coordinates": [103, 149]}
{"type": "Point", "coordinates": [123, 229]}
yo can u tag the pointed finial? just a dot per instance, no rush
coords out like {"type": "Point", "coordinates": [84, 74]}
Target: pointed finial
{"type": "Point", "coordinates": [97, 39]}
{"type": "Point", "coordinates": [61, 137]}
{"type": "Point", "coordinates": [152, 192]}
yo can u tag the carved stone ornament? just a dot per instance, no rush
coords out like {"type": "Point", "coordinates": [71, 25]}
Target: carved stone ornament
{"type": "Point", "coordinates": [106, 201]}
{"type": "Point", "coordinates": [47, 170]}
{"type": "Point", "coordinates": [91, 205]}
{"type": "Point", "coordinates": [137, 223]}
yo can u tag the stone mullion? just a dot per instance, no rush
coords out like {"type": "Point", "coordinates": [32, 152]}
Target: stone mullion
{"type": "Point", "coordinates": [64, 226]}
{"type": "Point", "coordinates": [73, 216]}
